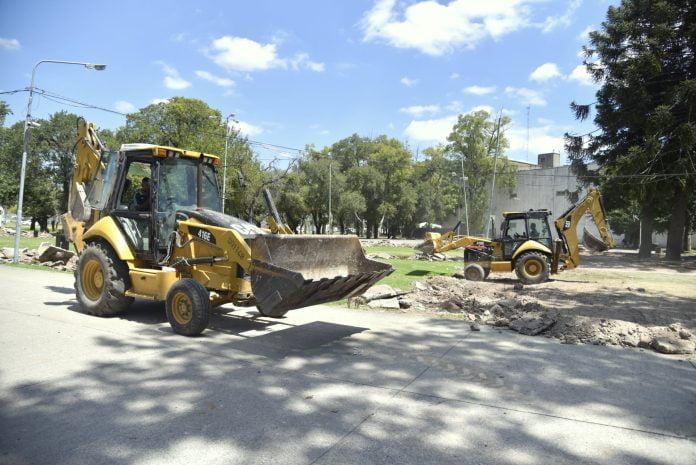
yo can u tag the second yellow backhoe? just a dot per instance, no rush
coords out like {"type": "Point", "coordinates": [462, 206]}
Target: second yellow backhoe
{"type": "Point", "coordinates": [146, 223]}
{"type": "Point", "coordinates": [526, 244]}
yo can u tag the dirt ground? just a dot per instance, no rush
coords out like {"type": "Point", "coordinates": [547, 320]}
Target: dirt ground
{"type": "Point", "coordinates": [614, 298]}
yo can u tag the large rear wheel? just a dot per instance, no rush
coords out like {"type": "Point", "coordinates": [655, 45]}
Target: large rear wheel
{"type": "Point", "coordinates": [532, 267]}
{"type": "Point", "coordinates": [188, 307]}
{"type": "Point", "coordinates": [101, 281]}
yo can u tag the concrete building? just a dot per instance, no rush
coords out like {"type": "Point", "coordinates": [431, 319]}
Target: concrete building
{"type": "Point", "coordinates": [543, 186]}
{"type": "Point", "coordinates": [548, 185]}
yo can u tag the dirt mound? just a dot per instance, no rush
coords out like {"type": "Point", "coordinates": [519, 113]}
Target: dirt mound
{"type": "Point", "coordinates": [530, 310]}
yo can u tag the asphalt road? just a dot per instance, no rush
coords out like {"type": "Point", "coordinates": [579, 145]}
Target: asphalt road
{"type": "Point", "coordinates": [322, 386]}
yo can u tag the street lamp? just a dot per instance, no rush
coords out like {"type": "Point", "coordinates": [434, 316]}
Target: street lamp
{"type": "Point", "coordinates": [28, 123]}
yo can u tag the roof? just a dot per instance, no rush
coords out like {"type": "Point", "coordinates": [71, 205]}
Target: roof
{"type": "Point", "coordinates": [156, 149]}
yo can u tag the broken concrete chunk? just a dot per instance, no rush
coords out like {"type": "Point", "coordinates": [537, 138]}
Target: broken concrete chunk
{"type": "Point", "coordinates": [51, 253]}
{"type": "Point", "coordinates": [384, 303]}
{"type": "Point", "coordinates": [531, 326]}
{"type": "Point", "coordinates": [673, 346]}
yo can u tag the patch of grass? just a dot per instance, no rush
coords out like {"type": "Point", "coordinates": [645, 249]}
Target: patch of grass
{"type": "Point", "coordinates": [408, 271]}
{"type": "Point", "coordinates": [25, 242]}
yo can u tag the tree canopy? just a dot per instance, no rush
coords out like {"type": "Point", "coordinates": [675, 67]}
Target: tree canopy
{"type": "Point", "coordinates": [643, 57]}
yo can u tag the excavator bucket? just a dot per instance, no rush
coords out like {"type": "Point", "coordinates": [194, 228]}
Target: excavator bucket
{"type": "Point", "coordinates": [294, 271]}
{"type": "Point", "coordinates": [592, 242]}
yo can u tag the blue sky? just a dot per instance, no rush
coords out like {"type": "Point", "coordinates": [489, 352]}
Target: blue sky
{"type": "Point", "coordinates": [313, 72]}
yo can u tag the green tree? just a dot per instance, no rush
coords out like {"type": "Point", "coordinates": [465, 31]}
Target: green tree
{"type": "Point", "coordinates": [181, 122]}
{"type": "Point", "coordinates": [474, 141]}
{"type": "Point", "coordinates": [437, 179]}
{"type": "Point", "coordinates": [643, 56]}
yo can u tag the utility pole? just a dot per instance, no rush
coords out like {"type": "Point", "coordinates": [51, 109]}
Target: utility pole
{"type": "Point", "coordinates": [228, 132]}
{"type": "Point", "coordinates": [330, 218]}
{"type": "Point", "coordinates": [495, 167]}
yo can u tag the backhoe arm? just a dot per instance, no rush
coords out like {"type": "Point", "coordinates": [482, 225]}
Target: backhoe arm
{"type": "Point", "coordinates": [566, 226]}
{"type": "Point", "coordinates": [89, 150]}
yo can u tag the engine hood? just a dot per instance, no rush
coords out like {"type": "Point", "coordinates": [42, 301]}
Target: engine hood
{"type": "Point", "coordinates": [221, 220]}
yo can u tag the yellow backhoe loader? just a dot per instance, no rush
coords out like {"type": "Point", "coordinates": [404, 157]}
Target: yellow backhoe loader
{"type": "Point", "coordinates": [146, 223]}
{"type": "Point", "coordinates": [526, 244]}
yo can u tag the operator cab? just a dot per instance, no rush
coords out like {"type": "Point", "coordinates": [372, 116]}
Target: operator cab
{"type": "Point", "coordinates": [154, 184]}
{"type": "Point", "coordinates": [519, 227]}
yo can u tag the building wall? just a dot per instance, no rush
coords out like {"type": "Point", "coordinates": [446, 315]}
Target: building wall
{"type": "Point", "coordinates": [543, 189]}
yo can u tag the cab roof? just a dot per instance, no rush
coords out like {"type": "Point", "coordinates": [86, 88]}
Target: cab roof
{"type": "Point", "coordinates": [528, 214]}
{"type": "Point", "coordinates": [164, 151]}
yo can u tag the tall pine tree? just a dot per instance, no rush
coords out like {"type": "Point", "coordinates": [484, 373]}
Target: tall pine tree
{"type": "Point", "coordinates": [643, 57]}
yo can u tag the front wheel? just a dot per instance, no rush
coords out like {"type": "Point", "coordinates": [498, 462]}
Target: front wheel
{"type": "Point", "coordinates": [474, 272]}
{"type": "Point", "coordinates": [532, 268]}
{"type": "Point", "coordinates": [188, 307]}
{"type": "Point", "coordinates": [101, 281]}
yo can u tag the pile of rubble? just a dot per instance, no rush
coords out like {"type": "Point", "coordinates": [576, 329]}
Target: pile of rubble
{"type": "Point", "coordinates": [46, 255]}
{"type": "Point", "coordinates": [478, 303]}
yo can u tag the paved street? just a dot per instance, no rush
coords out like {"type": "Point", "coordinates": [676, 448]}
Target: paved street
{"type": "Point", "coordinates": [323, 386]}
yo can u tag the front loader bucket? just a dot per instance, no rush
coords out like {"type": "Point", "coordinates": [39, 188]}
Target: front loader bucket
{"type": "Point", "coordinates": [294, 271]}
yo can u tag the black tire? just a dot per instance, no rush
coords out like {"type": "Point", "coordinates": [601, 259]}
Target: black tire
{"type": "Point", "coordinates": [273, 314]}
{"type": "Point", "coordinates": [474, 272]}
{"type": "Point", "coordinates": [101, 281]}
{"type": "Point", "coordinates": [188, 307]}
{"type": "Point", "coordinates": [532, 267]}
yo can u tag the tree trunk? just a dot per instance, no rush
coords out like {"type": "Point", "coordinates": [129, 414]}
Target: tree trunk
{"type": "Point", "coordinates": [647, 217]}
{"type": "Point", "coordinates": [675, 235]}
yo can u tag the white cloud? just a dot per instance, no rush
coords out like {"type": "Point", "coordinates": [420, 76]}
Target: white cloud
{"type": "Point", "coordinates": [553, 22]}
{"type": "Point", "coordinates": [408, 82]}
{"type": "Point", "coordinates": [585, 33]}
{"type": "Point", "coordinates": [418, 111]}
{"type": "Point", "coordinates": [242, 54]}
{"type": "Point", "coordinates": [437, 29]}
{"type": "Point", "coordinates": [542, 139]}
{"type": "Point", "coordinates": [526, 96]}
{"type": "Point", "coordinates": [437, 129]}
{"type": "Point", "coordinates": [479, 90]}
{"type": "Point", "coordinates": [155, 101]}
{"type": "Point", "coordinates": [455, 106]}
{"type": "Point", "coordinates": [580, 75]}
{"type": "Point", "coordinates": [454, 76]}
{"type": "Point", "coordinates": [10, 44]}
{"type": "Point", "coordinates": [220, 81]}
{"type": "Point", "coordinates": [545, 72]}
{"type": "Point", "coordinates": [124, 106]}
{"type": "Point", "coordinates": [245, 128]}
{"type": "Point", "coordinates": [172, 78]}
{"type": "Point", "coordinates": [431, 130]}
{"type": "Point", "coordinates": [487, 108]}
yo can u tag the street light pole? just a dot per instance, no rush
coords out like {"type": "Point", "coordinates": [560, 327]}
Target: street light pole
{"type": "Point", "coordinates": [330, 218]}
{"type": "Point", "coordinates": [224, 165]}
{"type": "Point", "coordinates": [28, 123]}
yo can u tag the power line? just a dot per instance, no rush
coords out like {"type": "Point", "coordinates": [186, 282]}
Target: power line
{"type": "Point", "coordinates": [78, 104]}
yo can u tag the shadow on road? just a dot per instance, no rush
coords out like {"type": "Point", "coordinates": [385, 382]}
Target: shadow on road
{"type": "Point", "coordinates": [166, 397]}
